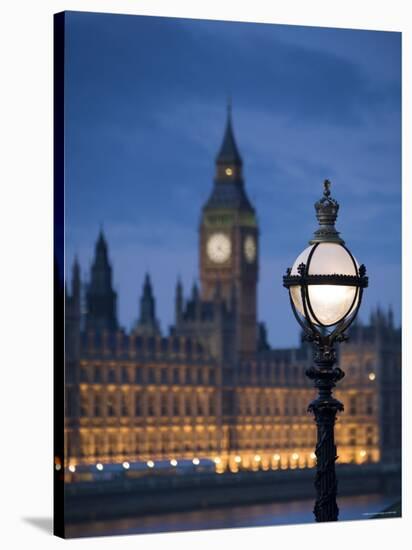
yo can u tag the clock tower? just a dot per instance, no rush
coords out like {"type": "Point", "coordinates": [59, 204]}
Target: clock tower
{"type": "Point", "coordinates": [228, 241]}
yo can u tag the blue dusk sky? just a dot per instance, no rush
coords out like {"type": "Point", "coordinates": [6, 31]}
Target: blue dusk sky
{"type": "Point", "coordinates": [145, 114]}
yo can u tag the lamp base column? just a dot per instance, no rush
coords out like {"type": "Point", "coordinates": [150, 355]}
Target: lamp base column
{"type": "Point", "coordinates": [325, 409]}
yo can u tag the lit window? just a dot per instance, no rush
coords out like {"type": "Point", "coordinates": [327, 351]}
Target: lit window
{"type": "Point", "coordinates": [352, 405]}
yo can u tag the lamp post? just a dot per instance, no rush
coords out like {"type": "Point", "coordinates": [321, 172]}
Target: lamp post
{"type": "Point", "coordinates": [325, 288]}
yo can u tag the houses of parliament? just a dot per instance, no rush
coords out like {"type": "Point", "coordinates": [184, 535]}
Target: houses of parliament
{"type": "Point", "coordinates": [213, 387]}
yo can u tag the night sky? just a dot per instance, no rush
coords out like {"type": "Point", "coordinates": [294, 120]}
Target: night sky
{"type": "Point", "coordinates": [145, 114]}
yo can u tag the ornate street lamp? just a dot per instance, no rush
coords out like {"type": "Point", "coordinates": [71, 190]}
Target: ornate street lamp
{"type": "Point", "coordinates": [325, 289]}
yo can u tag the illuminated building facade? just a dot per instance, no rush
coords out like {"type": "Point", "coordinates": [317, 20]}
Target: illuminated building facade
{"type": "Point", "coordinates": [213, 388]}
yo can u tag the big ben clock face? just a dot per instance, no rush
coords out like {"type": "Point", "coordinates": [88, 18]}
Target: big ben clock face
{"type": "Point", "coordinates": [219, 248]}
{"type": "Point", "coordinates": [250, 249]}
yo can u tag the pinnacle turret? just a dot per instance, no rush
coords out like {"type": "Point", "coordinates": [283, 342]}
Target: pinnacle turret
{"type": "Point", "coordinates": [147, 323]}
{"type": "Point", "coordinates": [100, 297]}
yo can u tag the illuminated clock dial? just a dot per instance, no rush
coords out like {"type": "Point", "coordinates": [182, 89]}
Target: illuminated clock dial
{"type": "Point", "coordinates": [219, 248]}
{"type": "Point", "coordinates": [250, 249]}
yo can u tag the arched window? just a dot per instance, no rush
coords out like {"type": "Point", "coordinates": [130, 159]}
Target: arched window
{"type": "Point", "coordinates": [249, 405]}
{"type": "Point", "coordinates": [352, 405]}
{"type": "Point", "coordinates": [138, 375]}
{"type": "Point", "coordinates": [112, 443]}
{"type": "Point", "coordinates": [111, 410]}
{"type": "Point", "coordinates": [212, 377]}
{"type": "Point", "coordinates": [185, 375]}
{"type": "Point", "coordinates": [97, 374]}
{"type": "Point", "coordinates": [163, 375]}
{"type": "Point", "coordinates": [369, 436]}
{"type": "Point", "coordinates": [188, 407]}
{"type": "Point", "coordinates": [212, 406]}
{"type": "Point", "coordinates": [111, 376]}
{"type": "Point", "coordinates": [152, 375]}
{"type": "Point", "coordinates": [124, 405]}
{"type": "Point", "coordinates": [138, 404]}
{"type": "Point", "coordinates": [352, 437]}
{"type": "Point", "coordinates": [176, 405]}
{"type": "Point", "coordinates": [97, 405]}
{"type": "Point", "coordinates": [163, 404]}
{"type": "Point", "coordinates": [203, 404]}
{"type": "Point", "coordinates": [369, 405]}
{"type": "Point", "coordinates": [84, 405]}
{"type": "Point", "coordinates": [125, 375]}
{"type": "Point", "coordinates": [152, 405]}
{"type": "Point", "coordinates": [286, 404]}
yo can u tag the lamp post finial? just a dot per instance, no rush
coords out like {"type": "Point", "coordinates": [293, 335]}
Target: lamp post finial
{"type": "Point", "coordinates": [326, 188]}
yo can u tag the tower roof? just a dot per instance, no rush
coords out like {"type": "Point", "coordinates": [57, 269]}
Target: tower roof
{"type": "Point", "coordinates": [101, 250]}
{"type": "Point", "coordinates": [147, 286]}
{"type": "Point", "coordinates": [228, 191]}
{"type": "Point", "coordinates": [101, 298]}
{"type": "Point", "coordinates": [229, 153]}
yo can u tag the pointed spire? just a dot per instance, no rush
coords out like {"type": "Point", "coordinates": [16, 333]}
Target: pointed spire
{"type": "Point", "coordinates": [179, 290]}
{"type": "Point", "coordinates": [390, 316]}
{"type": "Point", "coordinates": [147, 305]}
{"type": "Point", "coordinates": [379, 313]}
{"type": "Point", "coordinates": [101, 239]}
{"type": "Point", "coordinates": [100, 297]}
{"type": "Point", "coordinates": [195, 292]}
{"type": "Point", "coordinates": [147, 286]}
{"type": "Point", "coordinates": [147, 323]}
{"type": "Point", "coordinates": [76, 268]}
{"type": "Point", "coordinates": [229, 153]}
{"type": "Point", "coordinates": [179, 300]}
{"type": "Point", "coordinates": [101, 255]}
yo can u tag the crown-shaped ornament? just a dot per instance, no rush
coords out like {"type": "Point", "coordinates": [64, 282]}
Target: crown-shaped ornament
{"type": "Point", "coordinates": [326, 212]}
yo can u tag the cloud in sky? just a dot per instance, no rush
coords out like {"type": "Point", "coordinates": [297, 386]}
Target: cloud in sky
{"type": "Point", "coordinates": [145, 114]}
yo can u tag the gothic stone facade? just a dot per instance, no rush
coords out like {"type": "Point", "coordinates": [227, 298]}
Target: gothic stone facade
{"type": "Point", "coordinates": [213, 387]}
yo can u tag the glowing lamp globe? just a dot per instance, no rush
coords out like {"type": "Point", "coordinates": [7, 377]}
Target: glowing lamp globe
{"type": "Point", "coordinates": [329, 302]}
{"type": "Point", "coordinates": [325, 282]}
